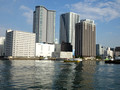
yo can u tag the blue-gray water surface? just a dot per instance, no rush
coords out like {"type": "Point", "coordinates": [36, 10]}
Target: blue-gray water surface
{"type": "Point", "coordinates": [56, 75]}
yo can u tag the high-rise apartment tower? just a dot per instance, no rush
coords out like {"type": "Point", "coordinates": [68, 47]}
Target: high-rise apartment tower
{"type": "Point", "coordinates": [67, 27]}
{"type": "Point", "coordinates": [44, 24]}
{"type": "Point", "coordinates": [85, 38]}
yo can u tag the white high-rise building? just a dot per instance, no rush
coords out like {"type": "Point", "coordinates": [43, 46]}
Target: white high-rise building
{"type": "Point", "coordinates": [2, 43]}
{"type": "Point", "coordinates": [67, 27]}
{"type": "Point", "coordinates": [20, 44]}
{"type": "Point", "coordinates": [44, 24]}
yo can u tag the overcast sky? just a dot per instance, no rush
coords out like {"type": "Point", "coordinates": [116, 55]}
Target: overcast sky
{"type": "Point", "coordinates": [18, 15]}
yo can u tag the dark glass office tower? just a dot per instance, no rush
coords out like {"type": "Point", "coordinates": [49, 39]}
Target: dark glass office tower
{"type": "Point", "coordinates": [67, 27]}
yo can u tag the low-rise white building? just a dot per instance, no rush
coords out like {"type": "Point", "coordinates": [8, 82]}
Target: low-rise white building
{"type": "Point", "coordinates": [2, 43]}
{"type": "Point", "coordinates": [103, 51]}
{"type": "Point", "coordinates": [44, 50]}
{"type": "Point", "coordinates": [109, 53]}
{"type": "Point", "coordinates": [20, 44]}
{"type": "Point", "coordinates": [100, 51]}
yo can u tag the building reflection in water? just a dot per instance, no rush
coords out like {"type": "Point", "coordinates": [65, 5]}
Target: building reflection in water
{"type": "Point", "coordinates": [26, 74]}
{"type": "Point", "coordinates": [88, 71]}
{"type": "Point", "coordinates": [78, 76]}
{"type": "Point", "coordinates": [108, 76]}
{"type": "Point", "coordinates": [74, 75]}
{"type": "Point", "coordinates": [22, 73]}
{"type": "Point", "coordinates": [43, 74]}
{"type": "Point", "coordinates": [63, 77]}
{"type": "Point", "coordinates": [5, 75]}
{"type": "Point", "coordinates": [30, 74]}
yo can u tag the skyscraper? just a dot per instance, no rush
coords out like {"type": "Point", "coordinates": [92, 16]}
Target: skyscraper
{"type": "Point", "coordinates": [85, 38]}
{"type": "Point", "coordinates": [44, 24]}
{"type": "Point", "coordinates": [67, 27]}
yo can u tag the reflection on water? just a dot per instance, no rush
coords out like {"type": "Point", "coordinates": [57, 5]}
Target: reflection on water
{"type": "Point", "coordinates": [5, 75]}
{"type": "Point", "coordinates": [30, 74]}
{"type": "Point", "coordinates": [109, 76]}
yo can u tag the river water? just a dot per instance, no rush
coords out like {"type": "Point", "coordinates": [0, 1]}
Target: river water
{"type": "Point", "coordinates": [56, 75]}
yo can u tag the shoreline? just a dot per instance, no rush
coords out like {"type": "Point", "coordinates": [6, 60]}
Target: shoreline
{"type": "Point", "coordinates": [41, 58]}
{"type": "Point", "coordinates": [52, 59]}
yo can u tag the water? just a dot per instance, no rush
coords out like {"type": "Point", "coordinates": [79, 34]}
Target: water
{"type": "Point", "coordinates": [56, 75]}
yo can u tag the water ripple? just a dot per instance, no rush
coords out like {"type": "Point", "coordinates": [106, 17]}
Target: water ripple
{"type": "Point", "coordinates": [44, 74]}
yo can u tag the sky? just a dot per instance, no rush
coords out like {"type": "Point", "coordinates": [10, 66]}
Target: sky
{"type": "Point", "coordinates": [18, 15]}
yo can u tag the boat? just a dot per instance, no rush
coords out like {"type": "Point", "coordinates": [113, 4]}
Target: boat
{"type": "Point", "coordinates": [109, 59]}
{"type": "Point", "coordinates": [73, 60]}
{"type": "Point", "coordinates": [112, 61]}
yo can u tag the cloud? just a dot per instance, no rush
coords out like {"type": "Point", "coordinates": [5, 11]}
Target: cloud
{"type": "Point", "coordinates": [98, 10]}
{"type": "Point", "coordinates": [28, 13]}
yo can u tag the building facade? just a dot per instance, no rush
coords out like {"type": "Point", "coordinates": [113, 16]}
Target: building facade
{"type": "Point", "coordinates": [63, 50]}
{"type": "Point", "coordinates": [117, 51]}
{"type": "Point", "coordinates": [85, 39]}
{"type": "Point", "coordinates": [66, 47]}
{"type": "Point", "coordinates": [44, 50]}
{"type": "Point", "coordinates": [2, 46]}
{"type": "Point", "coordinates": [44, 24]}
{"type": "Point", "coordinates": [104, 52]}
{"type": "Point", "coordinates": [100, 51]}
{"type": "Point", "coordinates": [109, 53]}
{"type": "Point", "coordinates": [67, 27]}
{"type": "Point", "coordinates": [20, 44]}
